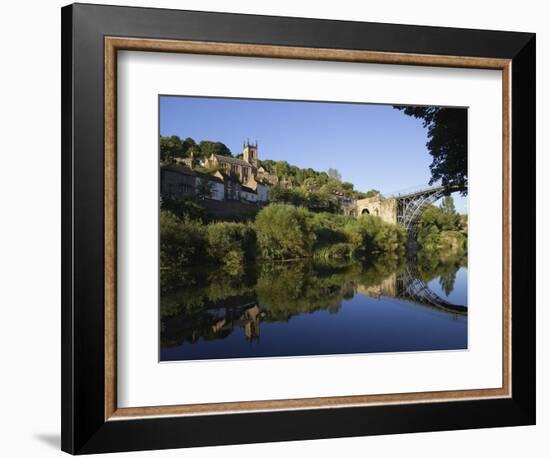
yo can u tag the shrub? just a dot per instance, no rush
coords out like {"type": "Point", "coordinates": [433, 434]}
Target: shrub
{"type": "Point", "coordinates": [184, 207]}
{"type": "Point", "coordinates": [433, 223]}
{"type": "Point", "coordinates": [369, 234]}
{"type": "Point", "coordinates": [232, 244]}
{"type": "Point", "coordinates": [336, 251]}
{"type": "Point", "coordinates": [283, 232]}
{"type": "Point", "coordinates": [328, 228]}
{"type": "Point", "coordinates": [182, 243]}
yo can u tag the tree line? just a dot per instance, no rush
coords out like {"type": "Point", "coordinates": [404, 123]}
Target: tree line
{"type": "Point", "coordinates": [442, 229]}
{"type": "Point", "coordinates": [278, 232]}
{"type": "Point", "coordinates": [173, 147]}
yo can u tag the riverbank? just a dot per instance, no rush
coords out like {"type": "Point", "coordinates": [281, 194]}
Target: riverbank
{"type": "Point", "coordinates": [278, 232]}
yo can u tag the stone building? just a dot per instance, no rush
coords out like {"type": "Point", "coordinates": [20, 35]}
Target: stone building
{"type": "Point", "coordinates": [236, 168]}
{"type": "Point", "coordinates": [253, 181]}
{"type": "Point", "coordinates": [266, 177]}
{"type": "Point", "coordinates": [378, 205]}
{"type": "Point", "coordinates": [231, 185]}
{"type": "Point", "coordinates": [178, 180]}
{"type": "Point", "coordinates": [234, 179]}
{"type": "Point", "coordinates": [214, 185]}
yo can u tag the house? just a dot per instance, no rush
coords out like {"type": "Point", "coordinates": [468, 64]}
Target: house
{"type": "Point", "coordinates": [234, 179]}
{"type": "Point", "coordinates": [232, 186]}
{"type": "Point", "coordinates": [177, 180]}
{"type": "Point", "coordinates": [248, 194]}
{"type": "Point", "coordinates": [211, 185]}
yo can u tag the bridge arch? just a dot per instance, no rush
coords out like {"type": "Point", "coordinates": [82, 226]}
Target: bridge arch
{"type": "Point", "coordinates": [404, 208]}
{"type": "Point", "coordinates": [411, 206]}
{"type": "Point", "coordinates": [377, 205]}
{"type": "Point", "coordinates": [366, 211]}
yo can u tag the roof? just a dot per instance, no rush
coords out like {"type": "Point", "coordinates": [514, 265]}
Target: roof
{"type": "Point", "coordinates": [209, 177]}
{"type": "Point", "coordinates": [178, 168]}
{"type": "Point", "coordinates": [227, 177]}
{"type": "Point", "coordinates": [184, 170]}
{"type": "Point", "coordinates": [247, 189]}
{"type": "Point", "coordinates": [232, 160]}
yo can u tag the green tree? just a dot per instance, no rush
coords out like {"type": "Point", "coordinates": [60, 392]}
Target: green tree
{"type": "Point", "coordinates": [333, 173]}
{"type": "Point", "coordinates": [283, 232]}
{"type": "Point", "coordinates": [188, 144]}
{"type": "Point", "coordinates": [170, 148]}
{"type": "Point", "coordinates": [448, 205]}
{"type": "Point", "coordinates": [184, 207]}
{"type": "Point", "coordinates": [231, 244]}
{"type": "Point", "coordinates": [447, 143]}
{"type": "Point", "coordinates": [371, 235]}
{"type": "Point", "coordinates": [182, 244]}
{"type": "Point", "coordinates": [440, 227]}
{"type": "Point", "coordinates": [281, 169]}
{"type": "Point", "coordinates": [204, 188]}
{"type": "Point", "coordinates": [207, 148]}
{"type": "Point", "coordinates": [372, 193]}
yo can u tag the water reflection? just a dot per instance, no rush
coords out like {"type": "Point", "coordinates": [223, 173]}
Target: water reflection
{"type": "Point", "coordinates": [308, 308]}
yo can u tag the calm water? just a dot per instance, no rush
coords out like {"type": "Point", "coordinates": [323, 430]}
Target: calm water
{"type": "Point", "coordinates": [291, 309]}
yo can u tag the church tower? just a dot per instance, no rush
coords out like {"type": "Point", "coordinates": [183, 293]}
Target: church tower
{"type": "Point", "coordinates": [250, 153]}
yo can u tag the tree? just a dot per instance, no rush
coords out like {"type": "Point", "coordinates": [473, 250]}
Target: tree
{"type": "Point", "coordinates": [447, 143]}
{"type": "Point", "coordinates": [182, 244]}
{"type": "Point", "coordinates": [184, 207]}
{"type": "Point", "coordinates": [372, 193]}
{"type": "Point", "coordinates": [333, 173]}
{"type": "Point", "coordinates": [281, 169]}
{"type": "Point", "coordinates": [170, 147]}
{"type": "Point", "coordinates": [283, 232]}
{"type": "Point", "coordinates": [435, 222]}
{"type": "Point", "coordinates": [173, 146]}
{"type": "Point", "coordinates": [370, 234]}
{"type": "Point", "coordinates": [448, 205]}
{"type": "Point", "coordinates": [231, 244]}
{"type": "Point", "coordinates": [208, 148]}
{"type": "Point", "coordinates": [204, 188]}
{"type": "Point", "coordinates": [187, 145]}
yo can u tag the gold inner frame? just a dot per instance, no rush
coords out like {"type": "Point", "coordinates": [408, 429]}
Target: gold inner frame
{"type": "Point", "coordinates": [114, 44]}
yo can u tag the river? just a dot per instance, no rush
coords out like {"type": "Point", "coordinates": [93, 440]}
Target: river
{"type": "Point", "coordinates": [306, 308]}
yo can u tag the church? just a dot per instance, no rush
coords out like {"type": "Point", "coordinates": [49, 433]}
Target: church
{"type": "Point", "coordinates": [232, 179]}
{"type": "Point", "coordinates": [243, 178]}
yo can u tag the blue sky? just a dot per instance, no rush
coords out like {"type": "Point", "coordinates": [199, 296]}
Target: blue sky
{"type": "Point", "coordinates": [372, 146]}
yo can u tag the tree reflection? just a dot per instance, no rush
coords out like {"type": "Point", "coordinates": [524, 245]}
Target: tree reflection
{"type": "Point", "coordinates": [211, 304]}
{"type": "Point", "coordinates": [430, 265]}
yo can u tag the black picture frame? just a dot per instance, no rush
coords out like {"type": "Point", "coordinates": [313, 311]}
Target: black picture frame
{"type": "Point", "coordinates": [84, 428]}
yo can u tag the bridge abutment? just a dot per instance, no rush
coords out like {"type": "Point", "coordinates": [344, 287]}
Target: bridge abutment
{"type": "Point", "coordinates": [378, 206]}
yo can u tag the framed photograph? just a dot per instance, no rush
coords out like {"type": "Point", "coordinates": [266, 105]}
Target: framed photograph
{"type": "Point", "coordinates": [282, 228]}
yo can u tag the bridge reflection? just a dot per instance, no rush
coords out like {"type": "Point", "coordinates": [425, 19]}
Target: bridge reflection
{"type": "Point", "coordinates": [407, 285]}
{"type": "Point", "coordinates": [274, 299]}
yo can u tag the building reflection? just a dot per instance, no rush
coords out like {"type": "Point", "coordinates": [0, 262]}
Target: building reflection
{"type": "Point", "coordinates": [249, 319]}
{"type": "Point", "coordinates": [278, 295]}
